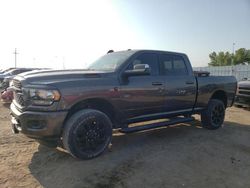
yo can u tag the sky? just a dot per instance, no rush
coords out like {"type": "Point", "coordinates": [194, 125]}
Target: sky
{"type": "Point", "coordinates": [72, 34]}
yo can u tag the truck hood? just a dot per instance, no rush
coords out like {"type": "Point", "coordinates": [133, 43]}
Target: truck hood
{"type": "Point", "coordinates": [55, 76]}
{"type": "Point", "coordinates": [244, 83]}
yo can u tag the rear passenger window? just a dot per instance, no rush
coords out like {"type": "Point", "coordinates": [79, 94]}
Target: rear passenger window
{"type": "Point", "coordinates": [172, 65]}
{"type": "Point", "coordinates": [179, 65]}
{"type": "Point", "coordinates": [146, 58]}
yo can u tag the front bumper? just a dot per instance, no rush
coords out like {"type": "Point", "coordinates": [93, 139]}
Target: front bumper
{"type": "Point", "coordinates": [242, 100]}
{"type": "Point", "coordinates": [38, 125]}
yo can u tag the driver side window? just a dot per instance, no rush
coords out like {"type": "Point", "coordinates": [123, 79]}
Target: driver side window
{"type": "Point", "coordinates": [150, 59]}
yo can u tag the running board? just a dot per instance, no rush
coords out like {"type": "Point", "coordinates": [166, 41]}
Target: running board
{"type": "Point", "coordinates": [156, 125]}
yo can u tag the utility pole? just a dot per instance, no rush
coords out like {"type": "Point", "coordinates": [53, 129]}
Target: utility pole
{"type": "Point", "coordinates": [15, 53]}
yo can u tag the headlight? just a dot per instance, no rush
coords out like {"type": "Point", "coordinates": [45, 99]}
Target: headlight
{"type": "Point", "coordinates": [42, 97]}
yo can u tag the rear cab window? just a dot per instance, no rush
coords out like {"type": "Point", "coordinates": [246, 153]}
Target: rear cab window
{"type": "Point", "coordinates": [172, 65]}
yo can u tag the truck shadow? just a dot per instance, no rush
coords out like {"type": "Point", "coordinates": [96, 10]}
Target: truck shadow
{"type": "Point", "coordinates": [129, 154]}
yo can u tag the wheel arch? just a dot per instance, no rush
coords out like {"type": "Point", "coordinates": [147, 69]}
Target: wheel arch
{"type": "Point", "coordinates": [220, 95]}
{"type": "Point", "coordinates": [100, 104]}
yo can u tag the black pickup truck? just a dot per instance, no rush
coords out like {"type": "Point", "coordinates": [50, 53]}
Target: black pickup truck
{"type": "Point", "coordinates": [78, 109]}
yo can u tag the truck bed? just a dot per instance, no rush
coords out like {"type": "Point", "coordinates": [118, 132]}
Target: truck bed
{"type": "Point", "coordinates": [207, 85]}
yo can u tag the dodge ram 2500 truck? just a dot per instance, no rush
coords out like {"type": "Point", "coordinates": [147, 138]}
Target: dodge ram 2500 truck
{"type": "Point", "coordinates": [78, 109]}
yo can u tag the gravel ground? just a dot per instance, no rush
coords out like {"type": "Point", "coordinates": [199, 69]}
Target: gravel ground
{"type": "Point", "coordinates": [184, 155]}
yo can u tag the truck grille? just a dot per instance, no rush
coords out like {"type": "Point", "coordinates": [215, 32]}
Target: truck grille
{"type": "Point", "coordinates": [18, 95]}
{"type": "Point", "coordinates": [17, 84]}
{"type": "Point", "coordinates": [244, 90]}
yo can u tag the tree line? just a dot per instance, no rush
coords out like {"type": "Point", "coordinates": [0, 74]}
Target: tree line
{"type": "Point", "coordinates": [241, 56]}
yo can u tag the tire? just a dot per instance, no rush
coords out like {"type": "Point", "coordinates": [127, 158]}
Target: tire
{"type": "Point", "coordinates": [213, 117]}
{"type": "Point", "coordinates": [87, 134]}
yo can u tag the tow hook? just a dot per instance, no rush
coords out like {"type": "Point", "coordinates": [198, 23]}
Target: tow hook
{"type": "Point", "coordinates": [14, 129]}
{"type": "Point", "coordinates": [13, 124]}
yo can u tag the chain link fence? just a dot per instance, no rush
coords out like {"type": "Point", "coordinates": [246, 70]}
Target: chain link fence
{"type": "Point", "coordinates": [239, 71]}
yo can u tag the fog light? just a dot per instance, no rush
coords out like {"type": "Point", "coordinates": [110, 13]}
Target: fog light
{"type": "Point", "coordinates": [33, 124]}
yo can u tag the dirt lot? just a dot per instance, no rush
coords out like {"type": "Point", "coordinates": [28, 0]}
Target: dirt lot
{"type": "Point", "coordinates": [179, 156]}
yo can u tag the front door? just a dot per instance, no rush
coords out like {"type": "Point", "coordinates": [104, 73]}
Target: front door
{"type": "Point", "coordinates": [143, 95]}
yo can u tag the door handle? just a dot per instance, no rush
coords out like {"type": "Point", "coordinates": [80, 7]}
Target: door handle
{"type": "Point", "coordinates": [157, 83]}
{"type": "Point", "coordinates": [189, 82]}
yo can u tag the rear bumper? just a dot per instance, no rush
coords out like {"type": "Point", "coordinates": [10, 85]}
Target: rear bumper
{"type": "Point", "coordinates": [242, 100]}
{"type": "Point", "coordinates": [38, 125]}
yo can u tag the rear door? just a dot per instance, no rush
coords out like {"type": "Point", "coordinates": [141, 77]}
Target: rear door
{"type": "Point", "coordinates": [180, 84]}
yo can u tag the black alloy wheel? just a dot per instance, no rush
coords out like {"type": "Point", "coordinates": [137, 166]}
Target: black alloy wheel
{"type": "Point", "coordinates": [87, 134]}
{"type": "Point", "coordinates": [213, 116]}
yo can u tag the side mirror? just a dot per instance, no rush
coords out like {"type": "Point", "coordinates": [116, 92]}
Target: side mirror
{"type": "Point", "coordinates": [139, 70]}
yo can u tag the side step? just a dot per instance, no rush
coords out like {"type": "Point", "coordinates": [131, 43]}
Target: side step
{"type": "Point", "coordinates": [156, 125]}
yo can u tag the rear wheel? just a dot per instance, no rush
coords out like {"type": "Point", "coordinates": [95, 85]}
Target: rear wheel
{"type": "Point", "coordinates": [87, 134]}
{"type": "Point", "coordinates": [213, 116]}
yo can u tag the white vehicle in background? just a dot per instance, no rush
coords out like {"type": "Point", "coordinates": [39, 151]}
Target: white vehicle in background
{"type": "Point", "coordinates": [2, 71]}
{"type": "Point", "coordinates": [242, 98]}
{"type": "Point", "coordinates": [11, 73]}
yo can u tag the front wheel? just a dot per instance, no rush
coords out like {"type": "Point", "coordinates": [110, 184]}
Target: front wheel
{"type": "Point", "coordinates": [87, 134]}
{"type": "Point", "coordinates": [213, 117]}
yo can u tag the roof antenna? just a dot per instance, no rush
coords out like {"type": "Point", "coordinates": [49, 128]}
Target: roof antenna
{"type": "Point", "coordinates": [110, 51]}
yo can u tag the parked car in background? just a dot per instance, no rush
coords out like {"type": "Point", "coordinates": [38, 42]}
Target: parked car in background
{"type": "Point", "coordinates": [242, 98]}
{"type": "Point", "coordinates": [7, 91]}
{"type": "Point", "coordinates": [7, 95]}
{"type": "Point", "coordinates": [7, 79]}
{"type": "Point", "coordinates": [6, 82]}
{"type": "Point", "coordinates": [10, 74]}
{"type": "Point", "coordinates": [5, 74]}
{"type": "Point", "coordinates": [5, 70]}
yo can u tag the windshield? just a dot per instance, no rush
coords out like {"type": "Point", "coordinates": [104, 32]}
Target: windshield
{"type": "Point", "coordinates": [111, 61]}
